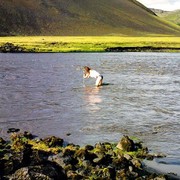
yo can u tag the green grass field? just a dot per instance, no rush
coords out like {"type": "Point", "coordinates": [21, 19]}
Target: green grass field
{"type": "Point", "coordinates": [88, 43]}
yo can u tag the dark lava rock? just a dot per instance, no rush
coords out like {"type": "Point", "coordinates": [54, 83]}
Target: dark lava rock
{"type": "Point", "coordinates": [89, 147]}
{"type": "Point", "coordinates": [120, 163]}
{"type": "Point", "coordinates": [17, 160]}
{"type": "Point", "coordinates": [38, 156]}
{"type": "Point", "coordinates": [28, 135]}
{"type": "Point", "coordinates": [43, 171]}
{"type": "Point", "coordinates": [12, 130]}
{"type": "Point", "coordinates": [84, 154]}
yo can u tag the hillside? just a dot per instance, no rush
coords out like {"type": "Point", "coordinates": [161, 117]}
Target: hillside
{"type": "Point", "coordinates": [172, 16]}
{"type": "Point", "coordinates": [80, 17]}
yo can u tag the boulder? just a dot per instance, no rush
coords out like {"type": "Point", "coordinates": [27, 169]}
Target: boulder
{"type": "Point", "coordinates": [126, 144]}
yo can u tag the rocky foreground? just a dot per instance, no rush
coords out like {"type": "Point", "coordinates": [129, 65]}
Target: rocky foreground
{"type": "Point", "coordinates": [26, 157]}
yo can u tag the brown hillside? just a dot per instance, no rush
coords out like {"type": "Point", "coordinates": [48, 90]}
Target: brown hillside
{"type": "Point", "coordinates": [80, 17]}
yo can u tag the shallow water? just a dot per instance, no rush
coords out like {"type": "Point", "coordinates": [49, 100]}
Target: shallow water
{"type": "Point", "coordinates": [46, 95]}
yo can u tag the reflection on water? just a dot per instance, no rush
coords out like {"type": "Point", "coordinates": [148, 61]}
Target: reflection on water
{"type": "Point", "coordinates": [45, 94]}
{"type": "Point", "coordinates": [92, 98]}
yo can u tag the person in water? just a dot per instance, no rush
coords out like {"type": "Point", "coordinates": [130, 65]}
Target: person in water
{"type": "Point", "coordinates": [88, 72]}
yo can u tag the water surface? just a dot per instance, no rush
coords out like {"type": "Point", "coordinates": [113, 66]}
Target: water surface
{"type": "Point", "coordinates": [46, 95]}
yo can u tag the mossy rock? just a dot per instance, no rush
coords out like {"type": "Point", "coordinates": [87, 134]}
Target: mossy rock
{"type": "Point", "coordinates": [126, 144]}
{"type": "Point", "coordinates": [48, 159]}
{"type": "Point", "coordinates": [84, 154]}
{"type": "Point", "coordinates": [53, 141]}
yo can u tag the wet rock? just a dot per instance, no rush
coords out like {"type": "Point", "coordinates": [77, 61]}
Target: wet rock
{"type": "Point", "coordinates": [159, 155]}
{"type": "Point", "coordinates": [37, 157]}
{"type": "Point", "coordinates": [12, 130]}
{"type": "Point", "coordinates": [69, 150]}
{"type": "Point", "coordinates": [84, 154]}
{"type": "Point", "coordinates": [126, 144]}
{"type": "Point", "coordinates": [53, 141]}
{"type": "Point", "coordinates": [62, 160]}
{"type": "Point", "coordinates": [102, 158]}
{"type": "Point", "coordinates": [58, 159]}
{"type": "Point", "coordinates": [68, 134]}
{"type": "Point", "coordinates": [149, 157]}
{"type": "Point", "coordinates": [70, 160]}
{"type": "Point", "coordinates": [45, 171]}
{"type": "Point", "coordinates": [28, 135]}
{"type": "Point", "coordinates": [120, 163]}
{"type": "Point", "coordinates": [89, 147]}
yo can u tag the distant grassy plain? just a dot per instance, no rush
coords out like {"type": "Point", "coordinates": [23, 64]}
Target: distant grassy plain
{"type": "Point", "coordinates": [89, 43]}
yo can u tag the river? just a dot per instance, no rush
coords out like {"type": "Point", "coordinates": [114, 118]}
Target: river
{"type": "Point", "coordinates": [45, 94]}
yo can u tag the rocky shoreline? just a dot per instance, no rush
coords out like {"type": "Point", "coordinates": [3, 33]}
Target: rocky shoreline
{"type": "Point", "coordinates": [26, 157]}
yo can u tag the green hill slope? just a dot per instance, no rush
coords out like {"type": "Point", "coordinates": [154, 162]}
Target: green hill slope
{"type": "Point", "coordinates": [172, 16]}
{"type": "Point", "coordinates": [80, 17]}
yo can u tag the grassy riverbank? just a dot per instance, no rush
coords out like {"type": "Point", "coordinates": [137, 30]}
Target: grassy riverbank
{"type": "Point", "coordinates": [93, 43]}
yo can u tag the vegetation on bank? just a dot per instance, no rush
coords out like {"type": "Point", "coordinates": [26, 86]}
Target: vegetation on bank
{"type": "Point", "coordinates": [26, 157]}
{"type": "Point", "coordinates": [88, 43]}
